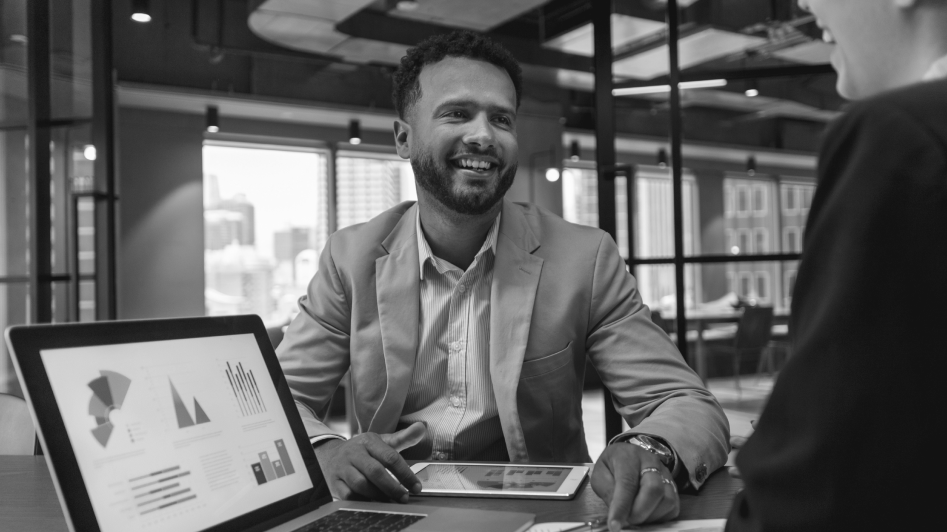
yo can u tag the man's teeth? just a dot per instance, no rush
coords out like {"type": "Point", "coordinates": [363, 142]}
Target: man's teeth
{"type": "Point", "coordinates": [475, 164]}
{"type": "Point", "coordinates": [827, 36]}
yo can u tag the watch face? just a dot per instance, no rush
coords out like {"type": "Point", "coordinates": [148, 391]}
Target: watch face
{"type": "Point", "coordinates": [657, 448]}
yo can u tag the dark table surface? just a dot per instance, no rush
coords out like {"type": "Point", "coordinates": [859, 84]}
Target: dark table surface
{"type": "Point", "coordinates": [28, 500]}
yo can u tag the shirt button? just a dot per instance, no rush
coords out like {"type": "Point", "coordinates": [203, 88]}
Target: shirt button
{"type": "Point", "coordinates": [462, 288]}
{"type": "Point", "coordinates": [455, 401]}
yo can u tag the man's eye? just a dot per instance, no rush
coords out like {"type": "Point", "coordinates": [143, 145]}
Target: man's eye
{"type": "Point", "coordinates": [455, 114]}
{"type": "Point", "coordinates": [504, 120]}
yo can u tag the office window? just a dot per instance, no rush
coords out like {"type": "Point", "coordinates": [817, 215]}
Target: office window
{"type": "Point", "coordinates": [265, 223]}
{"type": "Point", "coordinates": [761, 236]}
{"type": "Point", "coordinates": [368, 184]}
{"type": "Point", "coordinates": [760, 205]}
{"type": "Point", "coordinates": [746, 284]}
{"type": "Point", "coordinates": [790, 199]}
{"type": "Point", "coordinates": [654, 222]}
{"type": "Point", "coordinates": [762, 286]}
{"type": "Point", "coordinates": [789, 284]}
{"type": "Point", "coordinates": [728, 201]}
{"type": "Point", "coordinates": [745, 246]}
{"type": "Point", "coordinates": [743, 200]}
{"type": "Point", "coordinates": [791, 240]}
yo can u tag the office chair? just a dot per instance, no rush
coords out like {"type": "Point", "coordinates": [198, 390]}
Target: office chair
{"type": "Point", "coordinates": [752, 336]}
{"type": "Point", "coordinates": [17, 435]}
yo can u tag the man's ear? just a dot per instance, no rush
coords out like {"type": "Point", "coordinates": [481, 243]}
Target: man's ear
{"type": "Point", "coordinates": [402, 132]}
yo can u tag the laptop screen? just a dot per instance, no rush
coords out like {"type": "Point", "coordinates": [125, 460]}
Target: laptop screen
{"type": "Point", "coordinates": [175, 435]}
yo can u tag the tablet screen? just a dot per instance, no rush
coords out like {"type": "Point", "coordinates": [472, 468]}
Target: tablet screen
{"type": "Point", "coordinates": [534, 479]}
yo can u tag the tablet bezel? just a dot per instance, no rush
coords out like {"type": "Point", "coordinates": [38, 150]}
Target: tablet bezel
{"type": "Point", "coordinates": [575, 480]}
{"type": "Point", "coordinates": [25, 343]}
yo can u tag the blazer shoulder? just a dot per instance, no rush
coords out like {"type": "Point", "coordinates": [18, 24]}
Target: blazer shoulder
{"type": "Point", "coordinates": [551, 224]}
{"type": "Point", "coordinates": [558, 236]}
{"type": "Point", "coordinates": [363, 242]}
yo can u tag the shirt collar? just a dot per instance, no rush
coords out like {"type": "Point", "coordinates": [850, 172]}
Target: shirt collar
{"type": "Point", "coordinates": [424, 249]}
{"type": "Point", "coordinates": [938, 70]}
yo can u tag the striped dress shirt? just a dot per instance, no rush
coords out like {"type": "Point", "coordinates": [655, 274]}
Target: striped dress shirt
{"type": "Point", "coordinates": [451, 391]}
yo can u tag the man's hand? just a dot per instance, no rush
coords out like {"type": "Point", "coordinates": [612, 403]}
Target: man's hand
{"type": "Point", "coordinates": [361, 465]}
{"type": "Point", "coordinates": [634, 498]}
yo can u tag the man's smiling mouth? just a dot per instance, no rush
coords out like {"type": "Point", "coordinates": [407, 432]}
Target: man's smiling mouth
{"type": "Point", "coordinates": [475, 164]}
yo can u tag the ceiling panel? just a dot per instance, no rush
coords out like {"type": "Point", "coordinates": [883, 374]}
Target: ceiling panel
{"type": "Point", "coordinates": [304, 25]}
{"type": "Point", "coordinates": [700, 47]}
{"type": "Point", "coordinates": [335, 10]}
{"type": "Point", "coordinates": [478, 16]}
{"type": "Point", "coordinates": [625, 30]}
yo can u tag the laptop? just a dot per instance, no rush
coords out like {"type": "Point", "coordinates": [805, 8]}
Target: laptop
{"type": "Point", "coordinates": [188, 424]}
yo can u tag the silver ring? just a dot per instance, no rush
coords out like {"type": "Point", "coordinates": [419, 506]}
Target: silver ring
{"type": "Point", "coordinates": [670, 483]}
{"type": "Point", "coordinates": [650, 470]}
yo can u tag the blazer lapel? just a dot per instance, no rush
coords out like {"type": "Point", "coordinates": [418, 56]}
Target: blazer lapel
{"type": "Point", "coordinates": [397, 285]}
{"type": "Point", "coordinates": [516, 273]}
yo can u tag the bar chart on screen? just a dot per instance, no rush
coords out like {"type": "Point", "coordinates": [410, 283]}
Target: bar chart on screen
{"type": "Point", "coordinates": [246, 392]}
{"type": "Point", "coordinates": [269, 462]}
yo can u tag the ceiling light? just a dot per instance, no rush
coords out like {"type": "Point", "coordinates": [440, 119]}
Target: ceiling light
{"type": "Point", "coordinates": [752, 91]}
{"type": "Point", "coordinates": [575, 152]}
{"type": "Point", "coordinates": [141, 11]}
{"type": "Point", "coordinates": [552, 175]}
{"type": "Point", "coordinates": [751, 165]}
{"type": "Point", "coordinates": [88, 151]}
{"type": "Point", "coordinates": [355, 132]}
{"type": "Point", "coordinates": [663, 158]}
{"type": "Point", "coordinates": [654, 89]}
{"type": "Point", "coordinates": [407, 5]}
{"type": "Point", "coordinates": [213, 119]}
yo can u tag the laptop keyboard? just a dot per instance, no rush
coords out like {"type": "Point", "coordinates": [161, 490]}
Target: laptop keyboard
{"type": "Point", "coordinates": [361, 521]}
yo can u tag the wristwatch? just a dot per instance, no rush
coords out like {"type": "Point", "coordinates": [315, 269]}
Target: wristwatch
{"type": "Point", "coordinates": [655, 447]}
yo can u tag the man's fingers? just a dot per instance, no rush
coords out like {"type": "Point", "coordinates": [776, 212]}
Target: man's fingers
{"type": "Point", "coordinates": [376, 474]}
{"type": "Point", "coordinates": [650, 493]}
{"type": "Point", "coordinates": [602, 482]}
{"type": "Point", "coordinates": [405, 438]}
{"type": "Point", "coordinates": [667, 508]}
{"type": "Point", "coordinates": [619, 508]}
{"type": "Point", "coordinates": [364, 480]}
{"type": "Point", "coordinates": [391, 460]}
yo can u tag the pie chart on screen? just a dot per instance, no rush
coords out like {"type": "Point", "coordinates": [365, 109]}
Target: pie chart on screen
{"type": "Point", "coordinates": [108, 393]}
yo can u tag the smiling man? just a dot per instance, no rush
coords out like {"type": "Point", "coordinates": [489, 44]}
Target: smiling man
{"type": "Point", "coordinates": [466, 320]}
{"type": "Point", "coordinates": [853, 426]}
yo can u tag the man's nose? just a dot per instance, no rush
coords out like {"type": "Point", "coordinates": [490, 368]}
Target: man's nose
{"type": "Point", "coordinates": [480, 133]}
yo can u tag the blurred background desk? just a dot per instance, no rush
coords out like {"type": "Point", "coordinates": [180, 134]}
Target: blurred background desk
{"type": "Point", "coordinates": [699, 330]}
{"type": "Point", "coordinates": [28, 500]}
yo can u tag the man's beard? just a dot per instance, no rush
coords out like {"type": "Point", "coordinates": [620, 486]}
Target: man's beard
{"type": "Point", "coordinates": [437, 182]}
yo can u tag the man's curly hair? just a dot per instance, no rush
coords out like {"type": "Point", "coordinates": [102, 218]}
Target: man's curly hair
{"type": "Point", "coordinates": [455, 44]}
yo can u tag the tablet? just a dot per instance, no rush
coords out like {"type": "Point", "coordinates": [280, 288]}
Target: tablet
{"type": "Point", "coordinates": [518, 481]}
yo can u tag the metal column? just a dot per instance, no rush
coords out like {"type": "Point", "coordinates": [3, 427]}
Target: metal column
{"type": "Point", "coordinates": [38, 80]}
{"type": "Point", "coordinates": [103, 136]}
{"type": "Point", "coordinates": [676, 172]}
{"type": "Point", "coordinates": [605, 150]}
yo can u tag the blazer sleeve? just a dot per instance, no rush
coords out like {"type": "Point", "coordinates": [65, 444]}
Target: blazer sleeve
{"type": "Point", "coordinates": [868, 319]}
{"type": "Point", "coordinates": [314, 353]}
{"type": "Point", "coordinates": [652, 387]}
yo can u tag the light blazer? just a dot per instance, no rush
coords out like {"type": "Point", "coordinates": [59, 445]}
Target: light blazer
{"type": "Point", "coordinates": [560, 293]}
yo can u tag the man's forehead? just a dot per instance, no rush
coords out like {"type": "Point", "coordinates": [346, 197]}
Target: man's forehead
{"type": "Point", "coordinates": [452, 75]}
